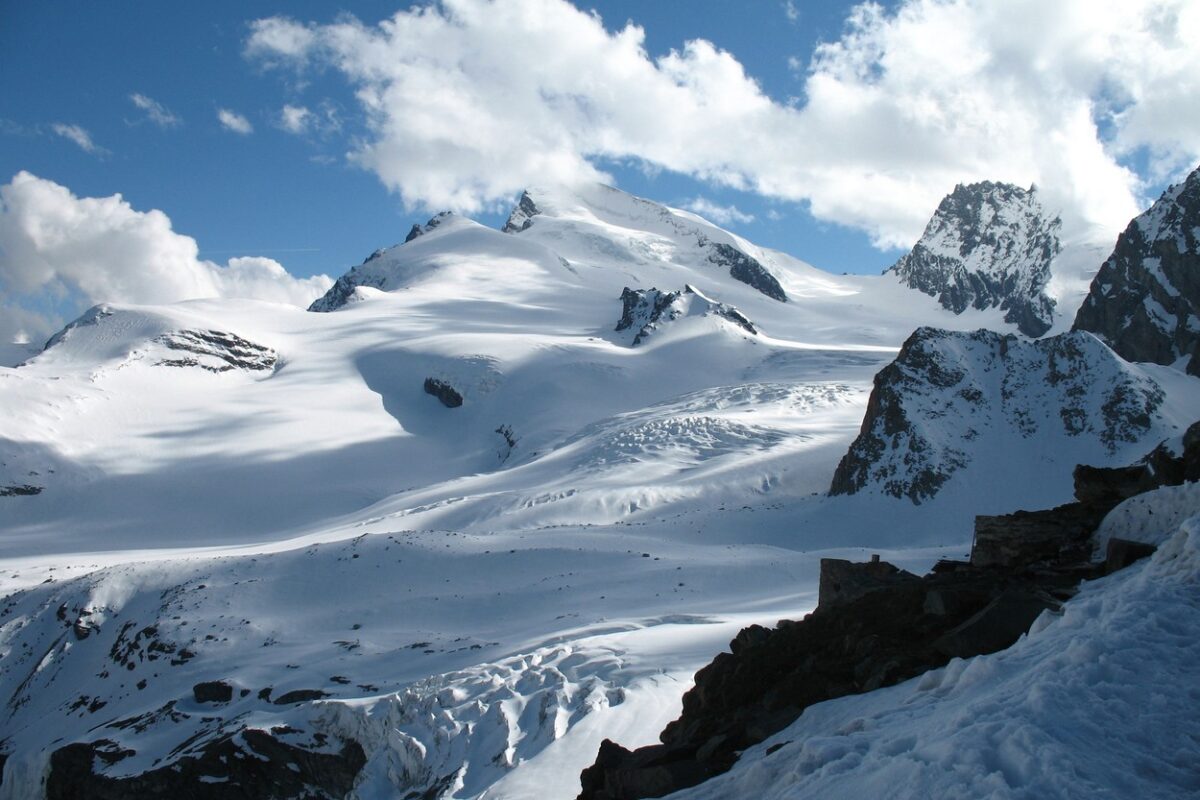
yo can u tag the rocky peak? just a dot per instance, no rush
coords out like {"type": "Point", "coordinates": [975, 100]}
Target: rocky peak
{"type": "Point", "coordinates": [421, 230]}
{"type": "Point", "coordinates": [522, 216]}
{"type": "Point", "coordinates": [988, 245]}
{"type": "Point", "coordinates": [1145, 300]}
{"type": "Point", "coordinates": [950, 401]}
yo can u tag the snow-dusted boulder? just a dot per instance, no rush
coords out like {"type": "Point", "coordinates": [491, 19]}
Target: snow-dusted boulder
{"type": "Point", "coordinates": [988, 245]}
{"type": "Point", "coordinates": [1145, 301]}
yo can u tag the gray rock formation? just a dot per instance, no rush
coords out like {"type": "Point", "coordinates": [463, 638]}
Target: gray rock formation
{"type": "Point", "coordinates": [1145, 300]}
{"type": "Point", "coordinates": [443, 391]}
{"type": "Point", "coordinates": [216, 351]}
{"type": "Point", "coordinates": [522, 216]}
{"type": "Point", "coordinates": [745, 269]}
{"type": "Point", "coordinates": [647, 310]}
{"type": "Point", "coordinates": [945, 390]}
{"type": "Point", "coordinates": [988, 245]}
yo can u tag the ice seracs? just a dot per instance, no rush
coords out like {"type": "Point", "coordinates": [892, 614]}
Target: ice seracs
{"type": "Point", "coordinates": [988, 245]}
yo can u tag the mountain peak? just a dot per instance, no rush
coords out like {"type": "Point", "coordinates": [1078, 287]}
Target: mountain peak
{"type": "Point", "coordinates": [988, 245]}
{"type": "Point", "coordinates": [1146, 297]}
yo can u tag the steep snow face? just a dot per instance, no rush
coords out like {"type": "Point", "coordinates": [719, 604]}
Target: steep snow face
{"type": "Point", "coordinates": [988, 245]}
{"type": "Point", "coordinates": [1098, 701]}
{"type": "Point", "coordinates": [972, 406]}
{"type": "Point", "coordinates": [1145, 301]}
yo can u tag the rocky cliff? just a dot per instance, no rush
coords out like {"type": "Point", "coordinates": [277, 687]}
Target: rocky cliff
{"type": "Point", "coordinates": [1145, 300]}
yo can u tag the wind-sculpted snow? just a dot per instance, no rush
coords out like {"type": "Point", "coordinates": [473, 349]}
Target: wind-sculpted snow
{"type": "Point", "coordinates": [1145, 300]}
{"type": "Point", "coordinates": [974, 404]}
{"type": "Point", "coordinates": [989, 245]}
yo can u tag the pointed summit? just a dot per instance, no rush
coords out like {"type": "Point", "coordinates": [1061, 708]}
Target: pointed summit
{"type": "Point", "coordinates": [988, 245]}
{"type": "Point", "coordinates": [522, 216]}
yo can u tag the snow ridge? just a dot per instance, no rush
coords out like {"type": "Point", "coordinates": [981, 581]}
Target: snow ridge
{"type": "Point", "coordinates": [988, 245]}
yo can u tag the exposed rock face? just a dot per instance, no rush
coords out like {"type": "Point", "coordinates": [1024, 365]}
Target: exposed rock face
{"type": "Point", "coordinates": [20, 490]}
{"type": "Point", "coordinates": [365, 274]}
{"type": "Point", "coordinates": [931, 406]}
{"type": "Point", "coordinates": [988, 245]}
{"type": "Point", "coordinates": [647, 310]}
{"type": "Point", "coordinates": [249, 765]}
{"type": "Point", "coordinates": [212, 692]}
{"type": "Point", "coordinates": [216, 351]}
{"type": "Point", "coordinates": [522, 216]}
{"type": "Point", "coordinates": [747, 270]}
{"type": "Point", "coordinates": [443, 391]}
{"type": "Point", "coordinates": [1145, 300]}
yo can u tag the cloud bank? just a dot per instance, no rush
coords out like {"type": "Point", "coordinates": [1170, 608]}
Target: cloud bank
{"type": "Point", "coordinates": [86, 250]}
{"type": "Point", "coordinates": [467, 101]}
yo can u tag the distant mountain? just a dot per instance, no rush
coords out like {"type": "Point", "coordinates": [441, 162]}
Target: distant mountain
{"type": "Point", "coordinates": [988, 245]}
{"type": "Point", "coordinates": [998, 406]}
{"type": "Point", "coordinates": [1145, 301]}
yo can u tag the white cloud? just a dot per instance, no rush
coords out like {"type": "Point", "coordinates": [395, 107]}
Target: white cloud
{"type": "Point", "coordinates": [791, 12]}
{"type": "Point", "coordinates": [79, 136]}
{"type": "Point", "coordinates": [722, 215]}
{"type": "Point", "coordinates": [155, 111]}
{"type": "Point", "coordinates": [295, 119]}
{"type": "Point", "coordinates": [233, 121]}
{"type": "Point", "coordinates": [302, 120]}
{"type": "Point", "coordinates": [467, 101]}
{"type": "Point", "coordinates": [94, 249]}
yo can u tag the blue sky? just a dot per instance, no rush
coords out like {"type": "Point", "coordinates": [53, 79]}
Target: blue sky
{"type": "Point", "coordinates": [275, 194]}
{"type": "Point", "coordinates": [826, 129]}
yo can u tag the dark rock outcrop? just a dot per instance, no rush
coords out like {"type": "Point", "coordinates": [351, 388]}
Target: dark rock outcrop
{"type": "Point", "coordinates": [216, 351]}
{"type": "Point", "coordinates": [938, 397]}
{"type": "Point", "coordinates": [522, 216]}
{"type": "Point", "coordinates": [646, 310]}
{"type": "Point", "coordinates": [212, 692]}
{"type": "Point", "coordinates": [443, 391]}
{"type": "Point", "coordinates": [20, 490]}
{"type": "Point", "coordinates": [248, 765]}
{"type": "Point", "coordinates": [745, 269]}
{"type": "Point", "coordinates": [988, 245]}
{"type": "Point", "coordinates": [1145, 300]}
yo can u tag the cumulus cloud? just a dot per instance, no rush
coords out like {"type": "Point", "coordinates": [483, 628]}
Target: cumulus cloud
{"type": "Point", "coordinates": [155, 111]}
{"type": "Point", "coordinates": [85, 250]}
{"type": "Point", "coordinates": [79, 136]}
{"type": "Point", "coordinates": [295, 119]}
{"type": "Point", "coordinates": [467, 101]}
{"type": "Point", "coordinates": [233, 121]}
{"type": "Point", "coordinates": [722, 215]}
{"type": "Point", "coordinates": [302, 120]}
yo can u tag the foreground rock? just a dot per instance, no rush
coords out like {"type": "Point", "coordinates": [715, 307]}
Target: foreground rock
{"type": "Point", "coordinates": [1145, 300]}
{"type": "Point", "coordinates": [876, 625]}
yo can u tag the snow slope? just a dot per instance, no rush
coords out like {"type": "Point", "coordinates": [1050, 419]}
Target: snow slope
{"type": "Point", "coordinates": [596, 519]}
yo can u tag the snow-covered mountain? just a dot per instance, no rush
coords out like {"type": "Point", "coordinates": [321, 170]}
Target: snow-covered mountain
{"type": "Point", "coordinates": [966, 407]}
{"type": "Point", "coordinates": [1145, 300]}
{"type": "Point", "coordinates": [231, 528]}
{"type": "Point", "coordinates": [988, 245]}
